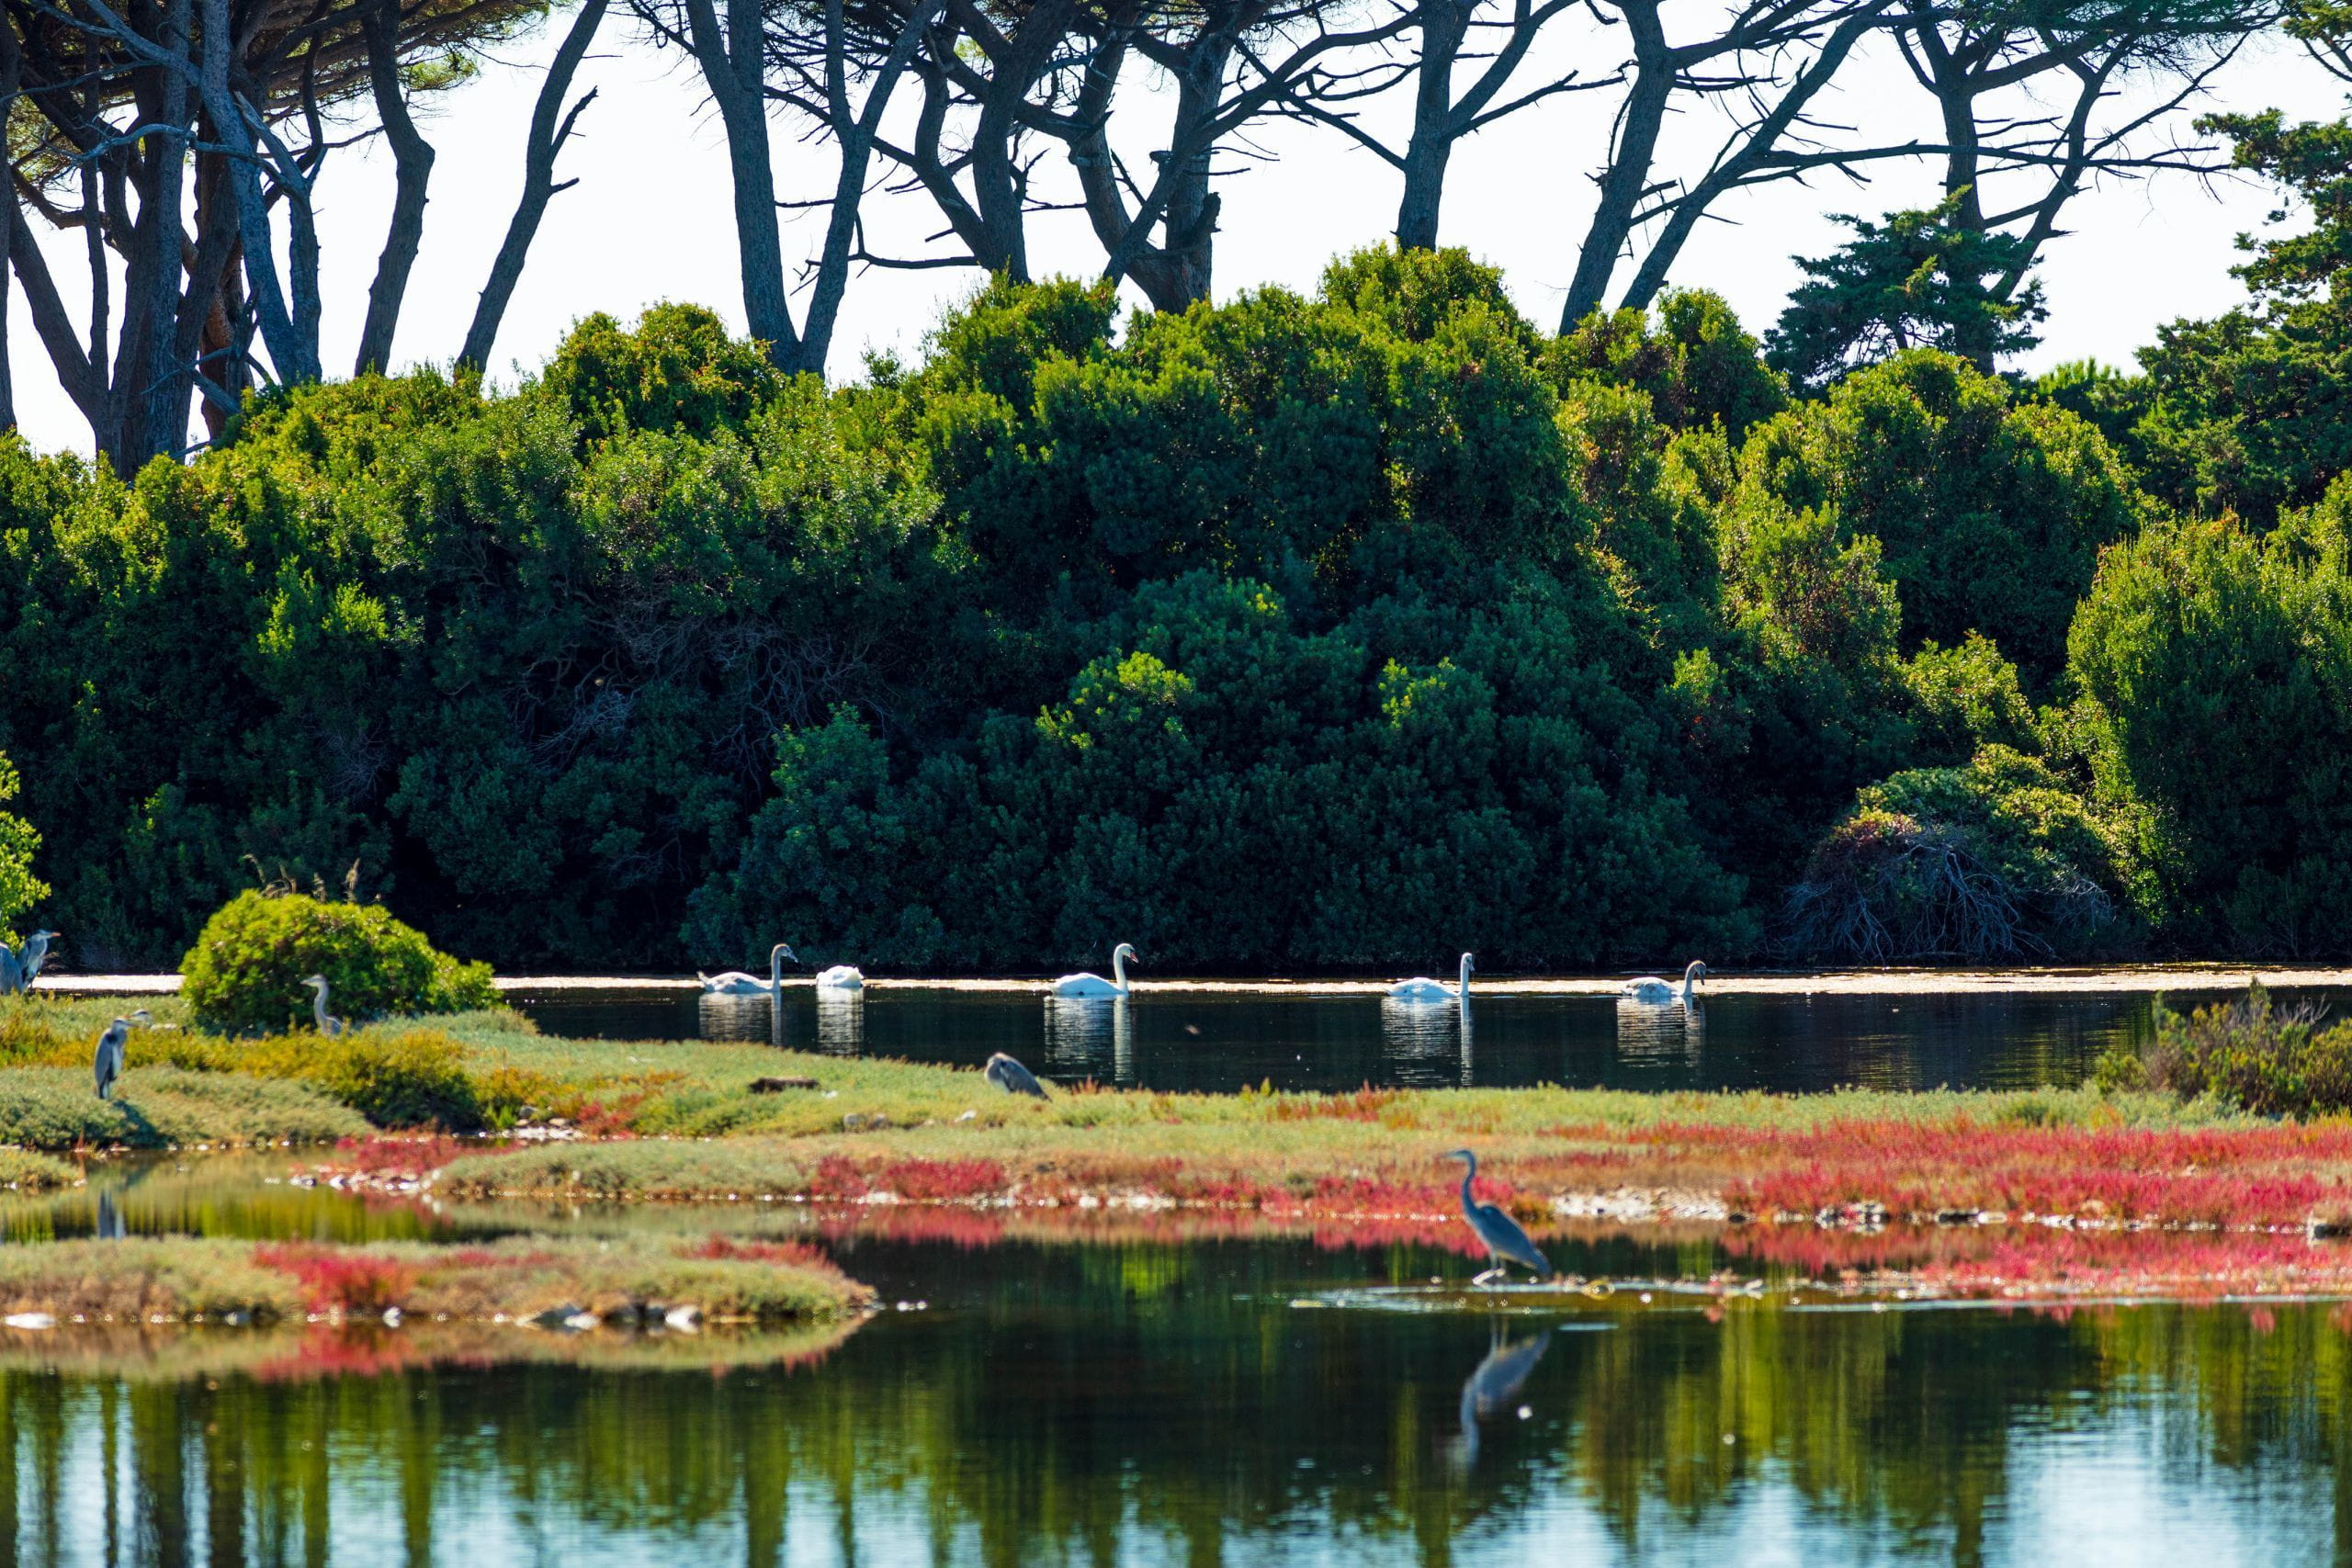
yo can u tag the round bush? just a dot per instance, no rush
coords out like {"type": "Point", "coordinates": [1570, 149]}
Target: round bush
{"type": "Point", "coordinates": [245, 973]}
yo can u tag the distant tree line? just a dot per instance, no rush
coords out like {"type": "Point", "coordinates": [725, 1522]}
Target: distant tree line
{"type": "Point", "coordinates": [192, 142]}
{"type": "Point", "coordinates": [1299, 632]}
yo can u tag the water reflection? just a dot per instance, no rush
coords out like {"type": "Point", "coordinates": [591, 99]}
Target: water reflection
{"type": "Point", "coordinates": [1152, 1405]}
{"type": "Point", "coordinates": [1221, 1042]}
{"type": "Point", "coordinates": [1658, 1034]}
{"type": "Point", "coordinates": [840, 1021]}
{"type": "Point", "coordinates": [1425, 1045]}
{"type": "Point", "coordinates": [758, 1019]}
{"type": "Point", "coordinates": [1091, 1038]}
{"type": "Point", "coordinates": [1495, 1385]}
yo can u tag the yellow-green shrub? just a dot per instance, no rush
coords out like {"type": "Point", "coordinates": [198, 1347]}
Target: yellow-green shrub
{"type": "Point", "coordinates": [245, 973]}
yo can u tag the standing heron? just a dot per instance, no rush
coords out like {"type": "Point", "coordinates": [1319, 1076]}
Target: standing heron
{"type": "Point", "coordinates": [36, 953]}
{"type": "Point", "coordinates": [1505, 1243]}
{"type": "Point", "coordinates": [329, 1025]}
{"type": "Point", "coordinates": [106, 1066]}
{"type": "Point", "coordinates": [1012, 1077]}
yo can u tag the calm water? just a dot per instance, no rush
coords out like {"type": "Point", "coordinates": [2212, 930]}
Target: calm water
{"type": "Point", "coordinates": [1223, 1041]}
{"type": "Point", "coordinates": [1210, 1405]}
{"type": "Point", "coordinates": [1110, 1397]}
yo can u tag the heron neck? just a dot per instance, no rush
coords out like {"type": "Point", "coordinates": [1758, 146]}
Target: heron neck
{"type": "Point", "coordinates": [1469, 1175]}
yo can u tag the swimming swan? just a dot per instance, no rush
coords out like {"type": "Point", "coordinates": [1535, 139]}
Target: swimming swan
{"type": "Point", "coordinates": [1421, 988]}
{"type": "Point", "coordinates": [735, 983]}
{"type": "Point", "coordinates": [840, 977]}
{"type": "Point", "coordinates": [1094, 985]}
{"type": "Point", "coordinates": [1650, 989]}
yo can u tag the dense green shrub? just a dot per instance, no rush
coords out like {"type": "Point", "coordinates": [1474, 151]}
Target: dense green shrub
{"type": "Point", "coordinates": [1697, 365]}
{"type": "Point", "coordinates": [1312, 628]}
{"type": "Point", "coordinates": [19, 888]}
{"type": "Point", "coordinates": [1995, 860]}
{"type": "Point", "coordinates": [1989, 513]}
{"type": "Point", "coordinates": [2219, 671]}
{"type": "Point", "coordinates": [2249, 1053]}
{"type": "Point", "coordinates": [1217, 742]}
{"type": "Point", "coordinates": [246, 971]}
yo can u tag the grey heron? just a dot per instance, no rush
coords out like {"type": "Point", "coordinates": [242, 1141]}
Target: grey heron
{"type": "Point", "coordinates": [12, 974]}
{"type": "Point", "coordinates": [106, 1066]}
{"type": "Point", "coordinates": [1012, 1077]}
{"type": "Point", "coordinates": [329, 1025]}
{"type": "Point", "coordinates": [735, 983]}
{"type": "Point", "coordinates": [1505, 1243]}
{"type": "Point", "coordinates": [35, 955]}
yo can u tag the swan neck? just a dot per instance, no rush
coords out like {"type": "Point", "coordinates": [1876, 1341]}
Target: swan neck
{"type": "Point", "coordinates": [1119, 970]}
{"type": "Point", "coordinates": [1465, 985]}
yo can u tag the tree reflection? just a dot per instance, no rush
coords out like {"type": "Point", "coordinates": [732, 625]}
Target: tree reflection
{"type": "Point", "coordinates": [1103, 1402]}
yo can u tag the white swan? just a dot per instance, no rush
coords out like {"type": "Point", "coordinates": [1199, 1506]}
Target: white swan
{"type": "Point", "coordinates": [735, 983]}
{"type": "Point", "coordinates": [1650, 989]}
{"type": "Point", "coordinates": [840, 977]}
{"type": "Point", "coordinates": [1421, 988]}
{"type": "Point", "coordinates": [1094, 985]}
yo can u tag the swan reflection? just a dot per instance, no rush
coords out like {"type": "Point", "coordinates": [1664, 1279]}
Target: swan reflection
{"type": "Point", "coordinates": [1494, 1384]}
{"type": "Point", "coordinates": [1651, 1033]}
{"type": "Point", "coordinates": [1089, 1038]}
{"type": "Point", "coordinates": [840, 1021]}
{"type": "Point", "coordinates": [1425, 1046]}
{"type": "Point", "coordinates": [755, 1018]}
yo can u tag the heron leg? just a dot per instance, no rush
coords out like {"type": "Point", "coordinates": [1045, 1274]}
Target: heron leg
{"type": "Point", "coordinates": [1489, 1277]}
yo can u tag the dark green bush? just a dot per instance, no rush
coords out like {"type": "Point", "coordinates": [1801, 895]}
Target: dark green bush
{"type": "Point", "coordinates": [2218, 667]}
{"type": "Point", "coordinates": [1997, 860]}
{"type": "Point", "coordinates": [2249, 1053]}
{"type": "Point", "coordinates": [1989, 513]}
{"type": "Point", "coordinates": [245, 973]}
{"type": "Point", "coordinates": [1286, 631]}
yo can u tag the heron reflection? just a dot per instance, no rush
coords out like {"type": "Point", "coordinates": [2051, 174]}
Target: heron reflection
{"type": "Point", "coordinates": [110, 1222]}
{"type": "Point", "coordinates": [1494, 1384]}
{"type": "Point", "coordinates": [1091, 1038]}
{"type": "Point", "coordinates": [1426, 1047]}
{"type": "Point", "coordinates": [840, 1021]}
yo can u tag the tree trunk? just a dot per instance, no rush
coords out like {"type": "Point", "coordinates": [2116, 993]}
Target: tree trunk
{"type": "Point", "coordinates": [1629, 163]}
{"type": "Point", "coordinates": [546, 139]}
{"type": "Point", "coordinates": [732, 67]}
{"type": "Point", "coordinates": [1763, 139]}
{"type": "Point", "coordinates": [1444, 25]}
{"type": "Point", "coordinates": [857, 155]}
{"type": "Point", "coordinates": [413, 171]}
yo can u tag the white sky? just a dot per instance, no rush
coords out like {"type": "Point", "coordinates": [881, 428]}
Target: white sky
{"type": "Point", "coordinates": [650, 219]}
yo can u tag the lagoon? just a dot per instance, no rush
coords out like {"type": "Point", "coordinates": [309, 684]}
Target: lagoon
{"type": "Point", "coordinates": [1227, 1038]}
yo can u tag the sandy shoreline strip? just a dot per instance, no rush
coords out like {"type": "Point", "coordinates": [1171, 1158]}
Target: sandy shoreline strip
{"type": "Point", "coordinates": [2126, 979]}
